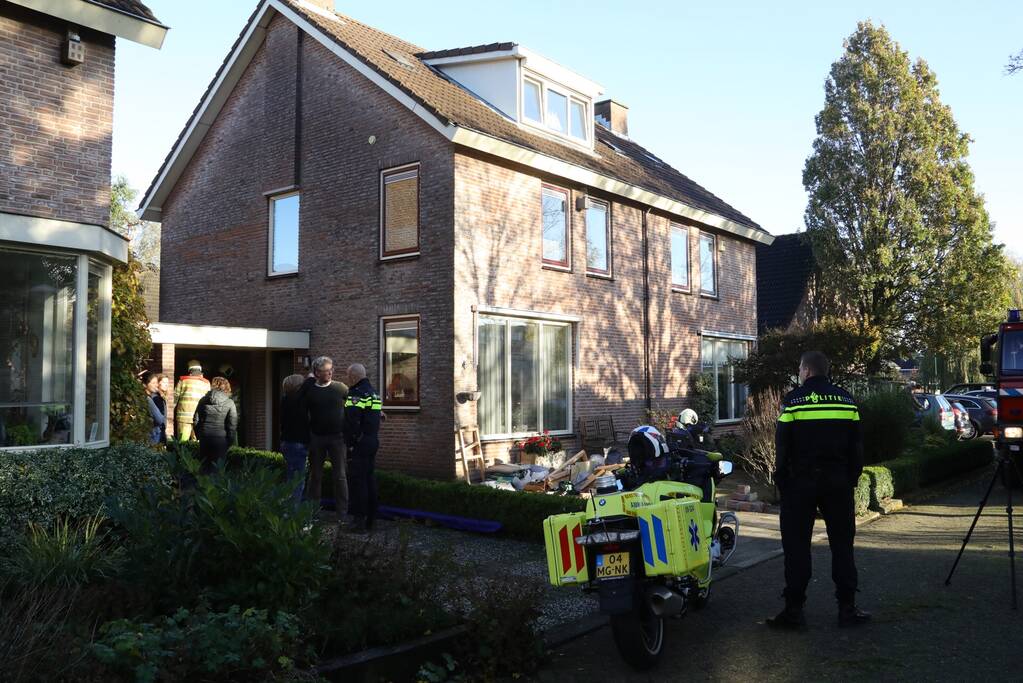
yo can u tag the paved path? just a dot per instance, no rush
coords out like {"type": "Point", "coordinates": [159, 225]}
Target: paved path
{"type": "Point", "coordinates": [921, 631]}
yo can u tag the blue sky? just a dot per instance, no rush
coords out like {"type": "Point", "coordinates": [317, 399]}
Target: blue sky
{"type": "Point", "coordinates": [725, 92]}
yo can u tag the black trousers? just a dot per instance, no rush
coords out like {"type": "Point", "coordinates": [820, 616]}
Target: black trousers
{"type": "Point", "coordinates": [211, 449]}
{"type": "Point", "coordinates": [800, 499]}
{"type": "Point", "coordinates": [363, 482]}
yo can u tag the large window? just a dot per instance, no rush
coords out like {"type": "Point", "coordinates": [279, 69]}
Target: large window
{"type": "Point", "coordinates": [598, 238]}
{"type": "Point", "coordinates": [708, 265]}
{"type": "Point", "coordinates": [679, 258]}
{"type": "Point", "coordinates": [554, 211]}
{"type": "Point", "coordinates": [400, 361]}
{"type": "Point", "coordinates": [284, 212]}
{"type": "Point", "coordinates": [717, 357]}
{"type": "Point", "coordinates": [54, 347]}
{"type": "Point", "coordinates": [525, 376]}
{"type": "Point", "coordinates": [399, 212]}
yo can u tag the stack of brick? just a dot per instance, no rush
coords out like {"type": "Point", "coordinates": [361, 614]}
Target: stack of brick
{"type": "Point", "coordinates": [744, 500]}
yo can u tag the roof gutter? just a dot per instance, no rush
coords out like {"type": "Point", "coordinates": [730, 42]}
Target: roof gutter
{"type": "Point", "coordinates": [103, 19]}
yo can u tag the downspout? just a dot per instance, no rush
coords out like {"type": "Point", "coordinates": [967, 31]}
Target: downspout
{"type": "Point", "coordinates": [646, 311]}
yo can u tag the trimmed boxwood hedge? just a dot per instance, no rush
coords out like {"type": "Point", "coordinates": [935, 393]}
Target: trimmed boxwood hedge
{"type": "Point", "coordinates": [520, 514]}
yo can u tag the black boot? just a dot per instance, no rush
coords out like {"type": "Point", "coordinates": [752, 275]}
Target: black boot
{"type": "Point", "coordinates": [789, 619]}
{"type": "Point", "coordinates": [851, 615]}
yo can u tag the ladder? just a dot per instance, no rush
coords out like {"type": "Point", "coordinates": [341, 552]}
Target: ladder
{"type": "Point", "coordinates": [470, 451]}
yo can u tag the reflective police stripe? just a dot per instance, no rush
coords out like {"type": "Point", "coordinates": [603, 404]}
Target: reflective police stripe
{"type": "Point", "coordinates": [820, 411]}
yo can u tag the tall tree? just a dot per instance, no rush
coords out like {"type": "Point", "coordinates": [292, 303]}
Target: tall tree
{"type": "Point", "coordinates": [144, 236]}
{"type": "Point", "coordinates": [901, 236]}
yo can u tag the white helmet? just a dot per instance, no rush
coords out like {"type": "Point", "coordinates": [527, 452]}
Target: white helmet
{"type": "Point", "coordinates": [646, 443]}
{"type": "Point", "coordinates": [688, 417]}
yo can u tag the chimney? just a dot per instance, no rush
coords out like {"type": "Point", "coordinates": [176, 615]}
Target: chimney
{"type": "Point", "coordinates": [613, 115]}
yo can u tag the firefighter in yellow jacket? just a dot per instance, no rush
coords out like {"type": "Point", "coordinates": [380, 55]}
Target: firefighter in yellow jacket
{"type": "Point", "coordinates": [190, 389]}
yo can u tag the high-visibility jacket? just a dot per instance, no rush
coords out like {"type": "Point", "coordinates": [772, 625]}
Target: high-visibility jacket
{"type": "Point", "coordinates": [818, 431]}
{"type": "Point", "coordinates": [362, 418]}
{"type": "Point", "coordinates": [190, 389]}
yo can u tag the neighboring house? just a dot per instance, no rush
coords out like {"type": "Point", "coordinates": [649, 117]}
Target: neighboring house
{"type": "Point", "coordinates": [462, 220]}
{"type": "Point", "coordinates": [56, 246]}
{"type": "Point", "coordinates": [785, 283]}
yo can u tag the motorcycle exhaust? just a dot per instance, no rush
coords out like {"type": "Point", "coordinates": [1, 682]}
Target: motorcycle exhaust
{"type": "Point", "coordinates": [664, 602]}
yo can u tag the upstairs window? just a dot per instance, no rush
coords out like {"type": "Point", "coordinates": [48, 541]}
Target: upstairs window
{"type": "Point", "coordinates": [598, 238]}
{"type": "Point", "coordinates": [557, 111]}
{"type": "Point", "coordinates": [578, 120]}
{"type": "Point", "coordinates": [554, 209]}
{"type": "Point", "coordinates": [679, 258]}
{"type": "Point", "coordinates": [284, 214]}
{"type": "Point", "coordinates": [399, 221]}
{"type": "Point", "coordinates": [708, 265]}
{"type": "Point", "coordinates": [531, 108]}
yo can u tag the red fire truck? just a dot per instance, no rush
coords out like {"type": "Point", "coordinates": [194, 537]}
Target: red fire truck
{"type": "Point", "coordinates": [1001, 356]}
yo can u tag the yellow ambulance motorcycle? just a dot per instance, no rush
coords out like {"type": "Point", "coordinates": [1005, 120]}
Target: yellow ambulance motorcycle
{"type": "Point", "coordinates": [648, 541]}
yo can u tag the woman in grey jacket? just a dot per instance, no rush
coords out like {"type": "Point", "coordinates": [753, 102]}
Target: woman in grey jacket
{"type": "Point", "coordinates": [216, 423]}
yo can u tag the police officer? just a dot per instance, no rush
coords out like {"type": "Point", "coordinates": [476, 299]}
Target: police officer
{"type": "Point", "coordinates": [819, 460]}
{"type": "Point", "coordinates": [362, 426]}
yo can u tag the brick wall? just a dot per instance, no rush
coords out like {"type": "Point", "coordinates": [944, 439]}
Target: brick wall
{"type": "Point", "coordinates": [55, 121]}
{"type": "Point", "coordinates": [498, 264]}
{"type": "Point", "coordinates": [214, 236]}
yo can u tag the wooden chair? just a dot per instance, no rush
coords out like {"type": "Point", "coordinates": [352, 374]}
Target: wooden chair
{"type": "Point", "coordinates": [469, 449]}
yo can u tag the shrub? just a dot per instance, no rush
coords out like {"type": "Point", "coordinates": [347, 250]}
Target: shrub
{"type": "Point", "coordinates": [66, 555]}
{"type": "Point", "coordinates": [33, 621]}
{"type": "Point", "coordinates": [202, 645]}
{"type": "Point", "coordinates": [130, 345]}
{"type": "Point", "coordinates": [521, 514]}
{"type": "Point", "coordinates": [703, 396]}
{"type": "Point", "coordinates": [880, 483]}
{"type": "Point", "coordinates": [236, 537]}
{"type": "Point", "coordinates": [885, 420]}
{"type": "Point", "coordinates": [759, 424]}
{"type": "Point", "coordinates": [861, 494]}
{"type": "Point", "coordinates": [46, 485]}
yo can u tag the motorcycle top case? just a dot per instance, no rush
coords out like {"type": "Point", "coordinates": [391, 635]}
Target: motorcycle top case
{"type": "Point", "coordinates": [566, 560]}
{"type": "Point", "coordinates": [675, 539]}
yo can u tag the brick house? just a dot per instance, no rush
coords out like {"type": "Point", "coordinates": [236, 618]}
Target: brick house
{"type": "Point", "coordinates": [56, 247]}
{"type": "Point", "coordinates": [460, 221]}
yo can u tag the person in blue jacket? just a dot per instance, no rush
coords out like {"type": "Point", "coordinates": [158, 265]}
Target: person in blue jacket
{"type": "Point", "coordinates": [363, 410]}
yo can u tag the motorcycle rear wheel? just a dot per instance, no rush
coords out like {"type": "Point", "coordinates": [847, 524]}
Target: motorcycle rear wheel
{"type": "Point", "coordinates": [639, 636]}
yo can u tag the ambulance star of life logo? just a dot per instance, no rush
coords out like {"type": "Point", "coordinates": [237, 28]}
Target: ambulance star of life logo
{"type": "Point", "coordinates": [694, 535]}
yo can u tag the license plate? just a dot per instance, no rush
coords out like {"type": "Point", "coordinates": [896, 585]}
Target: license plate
{"type": "Point", "coordinates": [611, 565]}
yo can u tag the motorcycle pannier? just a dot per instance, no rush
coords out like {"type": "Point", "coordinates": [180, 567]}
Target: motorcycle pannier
{"type": "Point", "coordinates": [674, 538]}
{"type": "Point", "coordinates": [566, 561]}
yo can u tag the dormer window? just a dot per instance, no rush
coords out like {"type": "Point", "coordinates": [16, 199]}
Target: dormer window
{"type": "Point", "coordinates": [554, 108]}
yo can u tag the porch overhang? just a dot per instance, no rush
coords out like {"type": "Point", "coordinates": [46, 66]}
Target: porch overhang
{"type": "Point", "coordinates": [215, 336]}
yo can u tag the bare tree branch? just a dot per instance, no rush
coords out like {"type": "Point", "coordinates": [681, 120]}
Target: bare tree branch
{"type": "Point", "coordinates": [1015, 64]}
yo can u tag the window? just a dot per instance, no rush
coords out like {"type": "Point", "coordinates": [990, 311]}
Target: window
{"type": "Point", "coordinates": [708, 265]}
{"type": "Point", "coordinates": [717, 356]}
{"type": "Point", "coordinates": [578, 120]}
{"type": "Point", "coordinates": [400, 212]}
{"type": "Point", "coordinates": [531, 101]}
{"type": "Point", "coordinates": [679, 257]}
{"type": "Point", "coordinates": [525, 376]}
{"type": "Point", "coordinates": [598, 228]}
{"type": "Point", "coordinates": [284, 234]}
{"type": "Point", "coordinates": [557, 111]}
{"type": "Point", "coordinates": [400, 361]}
{"type": "Point", "coordinates": [554, 208]}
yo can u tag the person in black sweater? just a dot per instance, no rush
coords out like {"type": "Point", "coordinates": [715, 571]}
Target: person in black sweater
{"type": "Point", "coordinates": [325, 400]}
{"type": "Point", "coordinates": [215, 423]}
{"type": "Point", "coordinates": [295, 431]}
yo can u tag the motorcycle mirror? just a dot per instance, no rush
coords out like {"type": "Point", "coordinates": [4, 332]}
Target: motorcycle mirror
{"type": "Point", "coordinates": [725, 467]}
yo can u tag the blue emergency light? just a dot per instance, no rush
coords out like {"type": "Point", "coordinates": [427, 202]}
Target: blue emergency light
{"type": "Point", "coordinates": [1013, 315]}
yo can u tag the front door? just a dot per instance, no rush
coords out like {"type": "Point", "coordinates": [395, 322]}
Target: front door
{"type": "Point", "coordinates": [282, 365]}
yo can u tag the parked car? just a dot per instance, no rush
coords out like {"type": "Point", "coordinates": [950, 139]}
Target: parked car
{"type": "Point", "coordinates": [983, 393]}
{"type": "Point", "coordinates": [983, 410]}
{"type": "Point", "coordinates": [964, 426]}
{"type": "Point", "coordinates": [935, 407]}
{"type": "Point", "coordinates": [958, 389]}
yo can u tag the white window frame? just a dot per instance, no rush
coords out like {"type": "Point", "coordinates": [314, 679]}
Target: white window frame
{"type": "Point", "coordinates": [271, 200]}
{"type": "Point", "coordinates": [675, 286]}
{"type": "Point", "coordinates": [79, 362]}
{"type": "Point", "coordinates": [714, 264]}
{"type": "Point", "coordinates": [592, 272]}
{"type": "Point", "coordinates": [725, 337]}
{"type": "Point", "coordinates": [570, 96]}
{"type": "Point", "coordinates": [540, 372]}
{"type": "Point", "coordinates": [385, 174]}
{"type": "Point", "coordinates": [566, 265]}
{"type": "Point", "coordinates": [419, 361]}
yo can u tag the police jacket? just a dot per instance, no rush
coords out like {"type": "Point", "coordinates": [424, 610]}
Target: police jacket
{"type": "Point", "coordinates": [216, 417]}
{"type": "Point", "coordinates": [362, 414]}
{"type": "Point", "coordinates": [818, 431]}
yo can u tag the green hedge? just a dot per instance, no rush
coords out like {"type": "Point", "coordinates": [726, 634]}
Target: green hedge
{"type": "Point", "coordinates": [520, 514]}
{"type": "Point", "coordinates": [934, 460]}
{"type": "Point", "coordinates": [43, 485]}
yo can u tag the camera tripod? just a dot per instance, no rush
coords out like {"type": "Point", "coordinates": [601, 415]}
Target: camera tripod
{"type": "Point", "coordinates": [1004, 470]}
